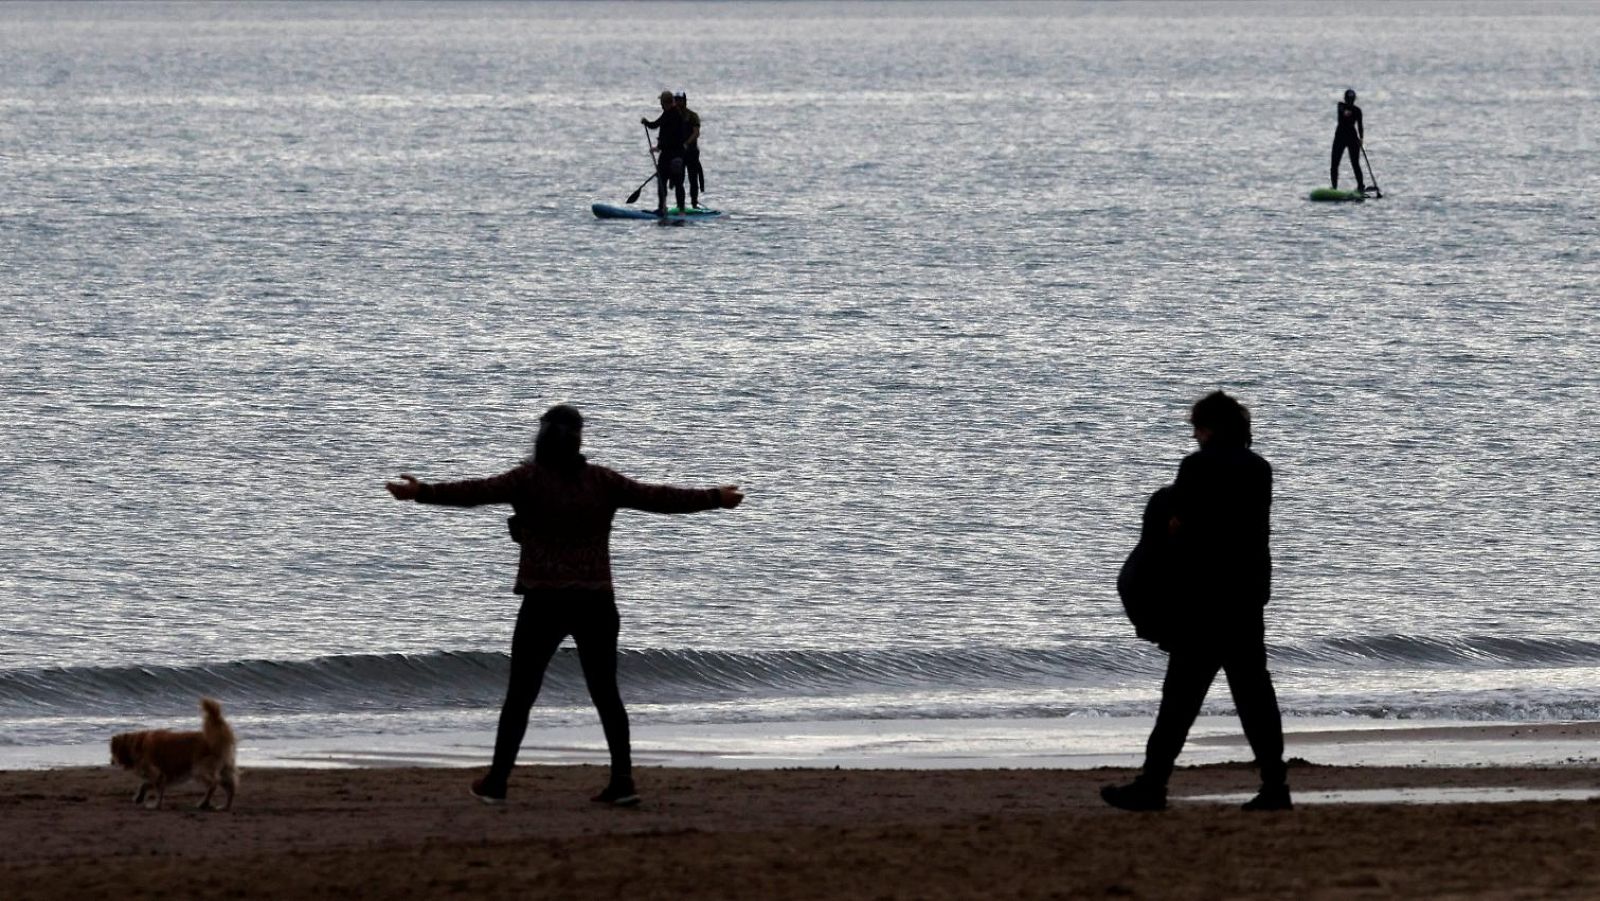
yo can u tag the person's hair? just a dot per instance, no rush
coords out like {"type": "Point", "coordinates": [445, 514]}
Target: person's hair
{"type": "Point", "coordinates": [1225, 418]}
{"type": "Point", "coordinates": [667, 96]}
{"type": "Point", "coordinates": [560, 436]}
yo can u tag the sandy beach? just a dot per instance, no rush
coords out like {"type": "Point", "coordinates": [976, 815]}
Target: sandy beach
{"type": "Point", "coordinates": [797, 833]}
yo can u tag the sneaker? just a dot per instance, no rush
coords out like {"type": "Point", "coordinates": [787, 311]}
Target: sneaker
{"type": "Point", "coordinates": [620, 793]}
{"type": "Point", "coordinates": [1135, 795]}
{"type": "Point", "coordinates": [488, 792]}
{"type": "Point", "coordinates": [1271, 797]}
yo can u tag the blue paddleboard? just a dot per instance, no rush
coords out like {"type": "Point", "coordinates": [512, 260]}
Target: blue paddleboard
{"type": "Point", "coordinates": [674, 214]}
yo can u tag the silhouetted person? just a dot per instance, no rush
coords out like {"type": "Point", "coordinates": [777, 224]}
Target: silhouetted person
{"type": "Point", "coordinates": [564, 506]}
{"type": "Point", "coordinates": [693, 171]}
{"type": "Point", "coordinates": [674, 134]}
{"type": "Point", "coordinates": [1220, 527]}
{"type": "Point", "coordinates": [1348, 134]}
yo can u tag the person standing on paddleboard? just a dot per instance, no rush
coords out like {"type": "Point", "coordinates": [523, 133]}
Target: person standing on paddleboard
{"type": "Point", "coordinates": [1348, 135]}
{"type": "Point", "coordinates": [564, 507]}
{"type": "Point", "coordinates": [670, 146]}
{"type": "Point", "coordinates": [691, 150]}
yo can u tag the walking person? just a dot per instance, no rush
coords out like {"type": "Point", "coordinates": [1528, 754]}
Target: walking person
{"type": "Point", "coordinates": [563, 507]}
{"type": "Point", "coordinates": [670, 143]}
{"type": "Point", "coordinates": [1220, 527]}
{"type": "Point", "coordinates": [693, 172]}
{"type": "Point", "coordinates": [1348, 134]}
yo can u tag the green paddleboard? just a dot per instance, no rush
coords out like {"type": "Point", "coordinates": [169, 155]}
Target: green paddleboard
{"type": "Point", "coordinates": [1334, 195]}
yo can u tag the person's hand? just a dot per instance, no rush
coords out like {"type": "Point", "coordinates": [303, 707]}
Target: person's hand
{"type": "Point", "coordinates": [643, 121]}
{"type": "Point", "coordinates": [406, 490]}
{"type": "Point", "coordinates": [730, 495]}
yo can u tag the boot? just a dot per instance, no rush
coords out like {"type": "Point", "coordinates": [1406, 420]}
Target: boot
{"type": "Point", "coordinates": [1271, 797]}
{"type": "Point", "coordinates": [1140, 795]}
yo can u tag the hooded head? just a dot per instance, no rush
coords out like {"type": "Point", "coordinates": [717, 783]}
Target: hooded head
{"type": "Point", "coordinates": [1349, 95]}
{"type": "Point", "coordinates": [1224, 420]}
{"type": "Point", "coordinates": [560, 436]}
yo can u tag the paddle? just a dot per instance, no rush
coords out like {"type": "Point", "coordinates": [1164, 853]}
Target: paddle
{"type": "Point", "coordinates": [635, 195]}
{"type": "Point", "coordinates": [653, 165]}
{"type": "Point", "coordinates": [1373, 175]}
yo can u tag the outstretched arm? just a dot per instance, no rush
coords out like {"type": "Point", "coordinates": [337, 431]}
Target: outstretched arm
{"type": "Point", "coordinates": [649, 124]}
{"type": "Point", "coordinates": [627, 493]}
{"type": "Point", "coordinates": [470, 493]}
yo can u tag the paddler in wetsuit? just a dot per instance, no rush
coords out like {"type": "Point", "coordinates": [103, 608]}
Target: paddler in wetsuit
{"type": "Point", "coordinates": [669, 164]}
{"type": "Point", "coordinates": [1348, 135]}
{"type": "Point", "coordinates": [691, 150]}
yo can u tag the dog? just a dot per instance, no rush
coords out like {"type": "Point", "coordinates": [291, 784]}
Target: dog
{"type": "Point", "coordinates": [163, 757]}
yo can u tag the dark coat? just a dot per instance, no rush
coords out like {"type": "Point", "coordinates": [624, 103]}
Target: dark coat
{"type": "Point", "coordinates": [564, 516]}
{"type": "Point", "coordinates": [1203, 586]}
{"type": "Point", "coordinates": [1223, 499]}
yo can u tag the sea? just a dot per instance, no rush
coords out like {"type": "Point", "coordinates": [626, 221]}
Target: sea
{"type": "Point", "coordinates": [976, 262]}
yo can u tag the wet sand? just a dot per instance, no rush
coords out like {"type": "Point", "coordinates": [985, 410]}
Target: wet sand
{"type": "Point", "coordinates": [792, 833]}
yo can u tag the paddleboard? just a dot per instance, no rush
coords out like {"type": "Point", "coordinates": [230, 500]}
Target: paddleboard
{"type": "Point", "coordinates": [1334, 195]}
{"type": "Point", "coordinates": [674, 214]}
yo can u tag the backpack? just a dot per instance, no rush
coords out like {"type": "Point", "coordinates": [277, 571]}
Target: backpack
{"type": "Point", "coordinates": [1147, 578]}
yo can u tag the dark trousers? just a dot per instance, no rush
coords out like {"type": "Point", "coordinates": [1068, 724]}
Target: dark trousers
{"type": "Point", "coordinates": [1189, 677]}
{"type": "Point", "coordinates": [696, 174]}
{"type": "Point", "coordinates": [546, 618]}
{"type": "Point", "coordinates": [669, 169]}
{"type": "Point", "coordinates": [1341, 143]}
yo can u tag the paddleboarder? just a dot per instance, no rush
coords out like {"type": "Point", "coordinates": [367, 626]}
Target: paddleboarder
{"type": "Point", "coordinates": [1348, 135]}
{"type": "Point", "coordinates": [695, 175]}
{"type": "Point", "coordinates": [670, 148]}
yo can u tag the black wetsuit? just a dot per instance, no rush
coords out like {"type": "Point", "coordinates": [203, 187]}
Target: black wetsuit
{"type": "Point", "coordinates": [1222, 498]}
{"type": "Point", "coordinates": [691, 158]}
{"type": "Point", "coordinates": [1347, 136]}
{"type": "Point", "coordinates": [670, 162]}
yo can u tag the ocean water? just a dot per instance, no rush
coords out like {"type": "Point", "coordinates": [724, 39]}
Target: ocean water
{"type": "Point", "coordinates": [978, 260]}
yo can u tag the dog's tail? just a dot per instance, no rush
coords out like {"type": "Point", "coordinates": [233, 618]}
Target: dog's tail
{"type": "Point", "coordinates": [216, 729]}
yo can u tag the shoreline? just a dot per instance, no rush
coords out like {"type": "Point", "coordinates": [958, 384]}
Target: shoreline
{"type": "Point", "coordinates": [1073, 743]}
{"type": "Point", "coordinates": [413, 832]}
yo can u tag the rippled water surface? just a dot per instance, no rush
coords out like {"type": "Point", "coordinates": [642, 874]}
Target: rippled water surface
{"type": "Point", "coordinates": [978, 259]}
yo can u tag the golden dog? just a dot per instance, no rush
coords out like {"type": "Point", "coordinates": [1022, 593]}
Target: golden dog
{"type": "Point", "coordinates": [163, 757]}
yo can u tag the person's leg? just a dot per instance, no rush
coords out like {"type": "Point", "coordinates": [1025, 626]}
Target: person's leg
{"type": "Point", "coordinates": [663, 175]}
{"type": "Point", "coordinates": [533, 643]}
{"type": "Point", "coordinates": [1257, 703]}
{"type": "Point", "coordinates": [1189, 677]}
{"type": "Point", "coordinates": [1338, 150]}
{"type": "Point", "coordinates": [596, 637]}
{"type": "Point", "coordinates": [697, 179]}
{"type": "Point", "coordinates": [677, 181]}
{"type": "Point", "coordinates": [1355, 164]}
